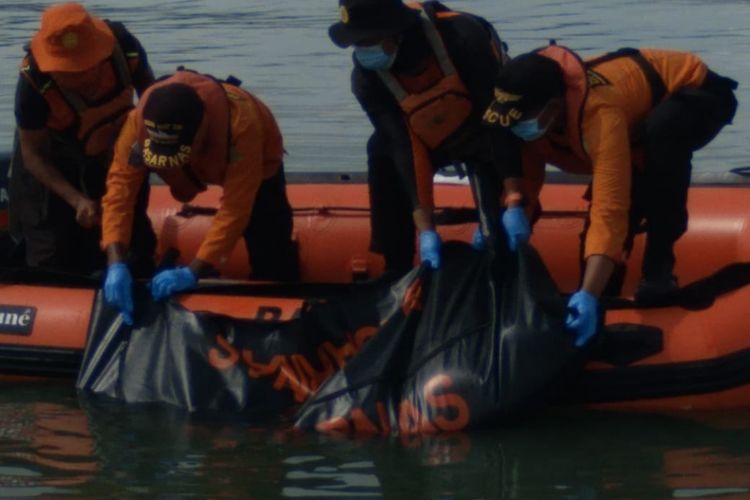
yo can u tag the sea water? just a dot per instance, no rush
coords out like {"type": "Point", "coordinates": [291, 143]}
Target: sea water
{"type": "Point", "coordinates": [52, 443]}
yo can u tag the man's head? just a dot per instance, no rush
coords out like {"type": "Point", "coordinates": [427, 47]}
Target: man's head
{"type": "Point", "coordinates": [172, 115]}
{"type": "Point", "coordinates": [528, 96]}
{"type": "Point", "coordinates": [369, 22]}
{"type": "Point", "coordinates": [70, 40]}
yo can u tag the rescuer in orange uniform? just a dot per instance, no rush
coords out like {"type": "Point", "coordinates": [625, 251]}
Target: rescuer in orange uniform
{"type": "Point", "coordinates": [424, 75]}
{"type": "Point", "coordinates": [77, 84]}
{"type": "Point", "coordinates": [193, 130]}
{"type": "Point", "coordinates": [632, 120]}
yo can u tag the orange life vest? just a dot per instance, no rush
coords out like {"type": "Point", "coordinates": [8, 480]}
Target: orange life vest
{"type": "Point", "coordinates": [94, 125]}
{"type": "Point", "coordinates": [210, 150]}
{"type": "Point", "coordinates": [579, 76]}
{"type": "Point", "coordinates": [436, 102]}
{"type": "Point", "coordinates": [576, 91]}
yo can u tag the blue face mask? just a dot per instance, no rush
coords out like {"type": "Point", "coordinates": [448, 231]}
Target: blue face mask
{"type": "Point", "coordinates": [374, 57]}
{"type": "Point", "coordinates": [530, 130]}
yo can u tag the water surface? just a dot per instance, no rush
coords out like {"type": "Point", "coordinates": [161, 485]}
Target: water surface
{"type": "Point", "coordinates": [281, 50]}
{"type": "Point", "coordinates": [51, 444]}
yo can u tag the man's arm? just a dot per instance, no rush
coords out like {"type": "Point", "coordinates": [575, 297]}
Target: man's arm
{"type": "Point", "coordinates": [607, 137]}
{"type": "Point", "coordinates": [409, 154]}
{"type": "Point", "coordinates": [31, 111]}
{"type": "Point", "coordinates": [34, 150]}
{"type": "Point", "coordinates": [241, 183]}
{"type": "Point", "coordinates": [123, 184]}
{"type": "Point", "coordinates": [470, 45]}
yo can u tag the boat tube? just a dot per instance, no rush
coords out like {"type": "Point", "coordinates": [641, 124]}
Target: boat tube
{"type": "Point", "coordinates": [692, 354]}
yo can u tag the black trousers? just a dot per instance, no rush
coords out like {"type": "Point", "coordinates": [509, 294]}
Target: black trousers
{"type": "Point", "coordinates": [268, 236]}
{"type": "Point", "coordinates": [47, 225]}
{"type": "Point", "coordinates": [681, 124]}
{"type": "Point", "coordinates": [392, 230]}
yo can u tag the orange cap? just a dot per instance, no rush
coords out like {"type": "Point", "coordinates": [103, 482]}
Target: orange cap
{"type": "Point", "coordinates": [70, 39]}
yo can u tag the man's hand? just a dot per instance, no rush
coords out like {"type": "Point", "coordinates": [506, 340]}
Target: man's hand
{"type": "Point", "coordinates": [582, 316]}
{"type": "Point", "coordinates": [172, 281]}
{"type": "Point", "coordinates": [118, 290]}
{"type": "Point", "coordinates": [429, 248]}
{"type": "Point", "coordinates": [88, 213]}
{"type": "Point", "coordinates": [516, 226]}
{"type": "Point", "coordinates": [477, 240]}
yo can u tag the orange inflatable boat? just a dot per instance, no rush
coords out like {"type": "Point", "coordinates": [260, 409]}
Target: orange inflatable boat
{"type": "Point", "coordinates": [697, 358]}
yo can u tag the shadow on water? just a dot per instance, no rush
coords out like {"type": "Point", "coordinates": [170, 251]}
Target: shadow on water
{"type": "Point", "coordinates": [99, 447]}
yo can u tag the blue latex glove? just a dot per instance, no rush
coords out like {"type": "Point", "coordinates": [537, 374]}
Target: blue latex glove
{"type": "Point", "coordinates": [516, 227]}
{"type": "Point", "coordinates": [582, 316]}
{"type": "Point", "coordinates": [171, 281]}
{"type": "Point", "coordinates": [477, 241]}
{"type": "Point", "coordinates": [429, 248]}
{"type": "Point", "coordinates": [118, 290]}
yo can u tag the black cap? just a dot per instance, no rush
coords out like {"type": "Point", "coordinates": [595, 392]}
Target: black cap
{"type": "Point", "coordinates": [171, 115]}
{"type": "Point", "coordinates": [370, 20]}
{"type": "Point", "coordinates": [524, 85]}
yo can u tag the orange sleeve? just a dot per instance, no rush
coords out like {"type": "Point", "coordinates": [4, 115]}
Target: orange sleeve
{"type": "Point", "coordinates": [606, 137]}
{"type": "Point", "coordinates": [123, 183]}
{"type": "Point", "coordinates": [677, 69]}
{"type": "Point", "coordinates": [243, 178]}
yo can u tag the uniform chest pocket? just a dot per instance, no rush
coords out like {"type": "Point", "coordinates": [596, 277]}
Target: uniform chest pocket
{"type": "Point", "coordinates": [439, 117]}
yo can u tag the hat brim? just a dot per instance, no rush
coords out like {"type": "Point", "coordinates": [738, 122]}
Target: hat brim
{"type": "Point", "coordinates": [100, 47]}
{"type": "Point", "coordinates": [163, 149]}
{"type": "Point", "coordinates": [344, 35]}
